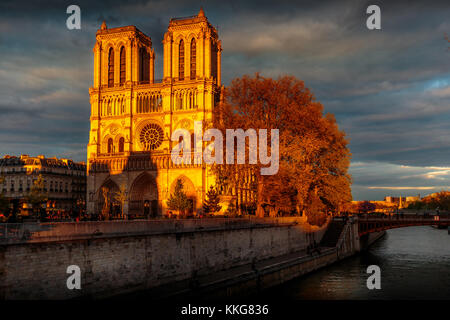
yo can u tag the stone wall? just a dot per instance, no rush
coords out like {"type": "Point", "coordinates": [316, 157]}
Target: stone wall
{"type": "Point", "coordinates": [348, 243]}
{"type": "Point", "coordinates": [368, 239]}
{"type": "Point", "coordinates": [118, 262]}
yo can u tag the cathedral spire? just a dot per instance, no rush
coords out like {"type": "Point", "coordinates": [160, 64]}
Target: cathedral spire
{"type": "Point", "coordinates": [103, 26]}
{"type": "Point", "coordinates": [201, 13]}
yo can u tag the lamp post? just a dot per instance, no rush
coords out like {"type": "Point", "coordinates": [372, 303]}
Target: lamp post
{"type": "Point", "coordinates": [78, 207]}
{"type": "Point", "coordinates": [43, 211]}
{"type": "Point", "coordinates": [125, 216]}
{"type": "Point", "coordinates": [146, 208]}
{"type": "Point", "coordinates": [53, 208]}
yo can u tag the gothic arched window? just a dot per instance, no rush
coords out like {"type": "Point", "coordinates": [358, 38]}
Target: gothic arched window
{"type": "Point", "coordinates": [144, 64]}
{"type": "Point", "coordinates": [111, 68]}
{"type": "Point", "coordinates": [193, 59]}
{"type": "Point", "coordinates": [179, 102]}
{"type": "Point", "coordinates": [151, 136]}
{"type": "Point", "coordinates": [110, 145]}
{"type": "Point", "coordinates": [191, 100]}
{"type": "Point", "coordinates": [123, 107]}
{"type": "Point", "coordinates": [181, 60]}
{"type": "Point", "coordinates": [121, 144]}
{"type": "Point", "coordinates": [122, 65]}
{"type": "Point", "coordinates": [146, 106]}
{"type": "Point", "coordinates": [139, 105]}
{"type": "Point", "coordinates": [214, 50]}
{"type": "Point", "coordinates": [159, 103]}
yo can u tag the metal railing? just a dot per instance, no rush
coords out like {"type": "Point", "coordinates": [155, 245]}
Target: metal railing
{"type": "Point", "coordinates": [183, 18]}
{"type": "Point", "coordinates": [369, 223]}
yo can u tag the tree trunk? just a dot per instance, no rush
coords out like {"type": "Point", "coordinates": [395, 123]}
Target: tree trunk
{"type": "Point", "coordinates": [259, 208]}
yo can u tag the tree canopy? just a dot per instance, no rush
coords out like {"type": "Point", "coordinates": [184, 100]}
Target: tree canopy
{"type": "Point", "coordinates": [313, 153]}
{"type": "Point", "coordinates": [121, 196]}
{"type": "Point", "coordinates": [439, 200]}
{"type": "Point", "coordinates": [36, 196]}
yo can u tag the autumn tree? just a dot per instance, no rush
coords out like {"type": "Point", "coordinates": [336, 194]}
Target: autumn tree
{"type": "Point", "coordinates": [211, 203]}
{"type": "Point", "coordinates": [106, 202]}
{"type": "Point", "coordinates": [178, 200]}
{"type": "Point", "coordinates": [231, 210]}
{"type": "Point", "coordinates": [439, 200]}
{"type": "Point", "coordinates": [121, 197]}
{"type": "Point", "coordinates": [417, 205]}
{"type": "Point", "coordinates": [36, 196]}
{"type": "Point", "coordinates": [316, 210]}
{"type": "Point", "coordinates": [313, 153]}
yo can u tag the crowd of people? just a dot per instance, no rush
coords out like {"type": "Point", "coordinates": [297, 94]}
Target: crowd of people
{"type": "Point", "coordinates": [44, 216]}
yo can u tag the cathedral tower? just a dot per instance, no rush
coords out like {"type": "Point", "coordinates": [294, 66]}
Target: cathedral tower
{"type": "Point", "coordinates": [133, 115]}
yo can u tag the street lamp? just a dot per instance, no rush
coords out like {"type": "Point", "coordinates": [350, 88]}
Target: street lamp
{"type": "Point", "coordinates": [43, 212]}
{"type": "Point", "coordinates": [146, 209]}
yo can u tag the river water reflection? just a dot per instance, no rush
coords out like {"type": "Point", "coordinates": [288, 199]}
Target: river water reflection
{"type": "Point", "coordinates": [414, 262]}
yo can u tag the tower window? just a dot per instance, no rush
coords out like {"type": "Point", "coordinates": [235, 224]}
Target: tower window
{"type": "Point", "coordinates": [111, 68]}
{"type": "Point", "coordinates": [121, 144]}
{"type": "Point", "coordinates": [214, 50]}
{"type": "Point", "coordinates": [122, 65]}
{"type": "Point", "coordinates": [181, 61]}
{"type": "Point", "coordinates": [193, 59]}
{"type": "Point", "coordinates": [179, 102]}
{"type": "Point", "coordinates": [123, 106]}
{"type": "Point", "coordinates": [144, 61]}
{"type": "Point", "coordinates": [139, 105]}
{"type": "Point", "coordinates": [146, 106]}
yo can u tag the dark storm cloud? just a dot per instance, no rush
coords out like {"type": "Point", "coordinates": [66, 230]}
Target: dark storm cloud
{"type": "Point", "coordinates": [389, 89]}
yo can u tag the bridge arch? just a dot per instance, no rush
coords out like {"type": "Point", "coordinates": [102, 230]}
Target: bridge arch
{"type": "Point", "coordinates": [368, 225]}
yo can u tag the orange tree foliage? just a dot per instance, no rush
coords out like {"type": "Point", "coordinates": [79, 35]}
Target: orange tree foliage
{"type": "Point", "coordinates": [314, 157]}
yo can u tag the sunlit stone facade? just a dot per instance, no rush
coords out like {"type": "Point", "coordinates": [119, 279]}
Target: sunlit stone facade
{"type": "Point", "coordinates": [133, 115]}
{"type": "Point", "coordinates": [64, 180]}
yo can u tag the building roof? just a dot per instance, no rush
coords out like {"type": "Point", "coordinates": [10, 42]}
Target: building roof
{"type": "Point", "coordinates": [200, 17]}
{"type": "Point", "coordinates": [25, 160]}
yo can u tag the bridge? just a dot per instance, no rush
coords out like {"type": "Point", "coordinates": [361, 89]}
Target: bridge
{"type": "Point", "coordinates": [370, 223]}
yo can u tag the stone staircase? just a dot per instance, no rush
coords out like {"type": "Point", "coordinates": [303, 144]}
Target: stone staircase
{"type": "Point", "coordinates": [331, 236]}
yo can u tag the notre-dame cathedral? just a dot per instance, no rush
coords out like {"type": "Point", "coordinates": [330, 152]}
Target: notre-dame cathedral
{"type": "Point", "coordinates": [133, 115]}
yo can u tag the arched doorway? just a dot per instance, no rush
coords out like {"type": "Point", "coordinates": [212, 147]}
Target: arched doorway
{"type": "Point", "coordinates": [189, 190]}
{"type": "Point", "coordinates": [107, 205]}
{"type": "Point", "coordinates": [144, 197]}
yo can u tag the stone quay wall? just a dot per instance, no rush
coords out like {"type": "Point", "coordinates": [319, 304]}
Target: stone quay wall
{"type": "Point", "coordinates": [120, 257]}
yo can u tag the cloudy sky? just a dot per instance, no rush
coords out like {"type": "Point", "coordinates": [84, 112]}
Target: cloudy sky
{"type": "Point", "coordinates": [389, 88]}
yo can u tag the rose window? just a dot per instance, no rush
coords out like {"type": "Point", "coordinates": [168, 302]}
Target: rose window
{"type": "Point", "coordinates": [151, 136]}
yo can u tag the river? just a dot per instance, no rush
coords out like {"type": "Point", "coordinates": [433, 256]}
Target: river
{"type": "Point", "coordinates": [414, 263]}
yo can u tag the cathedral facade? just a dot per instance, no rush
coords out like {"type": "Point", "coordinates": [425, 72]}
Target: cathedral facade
{"type": "Point", "coordinates": [133, 115]}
